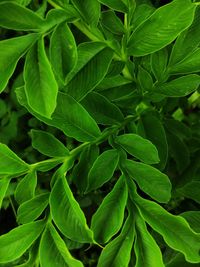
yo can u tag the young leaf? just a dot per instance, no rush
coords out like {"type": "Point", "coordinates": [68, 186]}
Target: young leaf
{"type": "Point", "coordinates": [151, 127]}
{"type": "Point", "coordinates": [101, 109]}
{"type": "Point", "coordinates": [77, 123]}
{"type": "Point", "coordinates": [63, 52]}
{"type": "Point", "coordinates": [53, 251]}
{"type": "Point", "coordinates": [156, 32]}
{"type": "Point", "coordinates": [17, 17]}
{"type": "Point", "coordinates": [15, 243]}
{"type": "Point", "coordinates": [147, 251]}
{"type": "Point", "coordinates": [81, 170]}
{"type": "Point", "coordinates": [67, 214]}
{"type": "Point", "coordinates": [139, 147]}
{"type": "Point", "coordinates": [47, 144]}
{"type": "Point", "coordinates": [111, 22]}
{"type": "Point", "coordinates": [26, 187]}
{"type": "Point", "coordinates": [108, 218]}
{"type": "Point", "coordinates": [115, 4]}
{"type": "Point", "coordinates": [32, 209]}
{"type": "Point", "coordinates": [102, 169]}
{"type": "Point", "coordinates": [149, 178]}
{"type": "Point", "coordinates": [10, 163]}
{"type": "Point", "coordinates": [174, 229]}
{"type": "Point", "coordinates": [89, 10]}
{"type": "Point", "coordinates": [4, 183]}
{"type": "Point", "coordinates": [92, 65]}
{"type": "Point", "coordinates": [179, 87]}
{"type": "Point", "coordinates": [40, 85]}
{"type": "Point", "coordinates": [159, 62]}
{"type": "Point", "coordinates": [145, 80]}
{"type": "Point", "coordinates": [11, 51]}
{"type": "Point", "coordinates": [117, 253]}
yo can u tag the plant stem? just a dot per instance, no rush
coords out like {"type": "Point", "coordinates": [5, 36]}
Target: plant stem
{"type": "Point", "coordinates": [12, 206]}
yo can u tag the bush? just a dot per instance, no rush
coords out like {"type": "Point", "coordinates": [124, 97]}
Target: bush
{"type": "Point", "coordinates": [100, 133]}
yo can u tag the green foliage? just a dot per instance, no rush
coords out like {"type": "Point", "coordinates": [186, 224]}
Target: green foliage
{"type": "Point", "coordinates": [99, 133]}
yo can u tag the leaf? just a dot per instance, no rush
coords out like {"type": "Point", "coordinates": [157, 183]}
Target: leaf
{"type": "Point", "coordinates": [191, 190]}
{"type": "Point", "coordinates": [63, 52]}
{"type": "Point", "coordinates": [11, 50]}
{"type": "Point", "coordinates": [4, 183]}
{"type": "Point", "coordinates": [179, 87]}
{"type": "Point", "coordinates": [47, 144]}
{"type": "Point", "coordinates": [115, 4]}
{"type": "Point", "coordinates": [193, 218]}
{"type": "Point", "coordinates": [40, 84]}
{"type": "Point", "coordinates": [155, 32]}
{"type": "Point", "coordinates": [147, 251]}
{"type": "Point", "coordinates": [178, 128]}
{"type": "Point", "coordinates": [102, 169]}
{"type": "Point", "coordinates": [189, 64]}
{"type": "Point", "coordinates": [77, 123]}
{"type": "Point", "coordinates": [174, 229]}
{"type": "Point", "coordinates": [141, 13]}
{"type": "Point", "coordinates": [92, 65]}
{"type": "Point", "coordinates": [10, 163]}
{"type": "Point", "coordinates": [89, 10]}
{"type": "Point", "coordinates": [149, 178]}
{"type": "Point", "coordinates": [31, 209]}
{"type": "Point", "coordinates": [144, 79]}
{"type": "Point", "coordinates": [108, 218]}
{"type": "Point", "coordinates": [159, 62]}
{"type": "Point", "coordinates": [19, 18]}
{"type": "Point", "coordinates": [67, 214]}
{"type": "Point", "coordinates": [151, 127]}
{"type": "Point", "coordinates": [26, 187]}
{"type": "Point", "coordinates": [81, 170]}
{"type": "Point", "coordinates": [139, 147]}
{"type": "Point", "coordinates": [101, 109]}
{"type": "Point", "coordinates": [53, 251]}
{"type": "Point", "coordinates": [15, 243]}
{"type": "Point", "coordinates": [117, 253]}
{"type": "Point", "coordinates": [111, 22]}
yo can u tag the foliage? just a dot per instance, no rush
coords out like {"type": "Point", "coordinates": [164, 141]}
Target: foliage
{"type": "Point", "coordinates": [100, 133]}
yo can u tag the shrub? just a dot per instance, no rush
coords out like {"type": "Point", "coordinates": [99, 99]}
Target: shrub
{"type": "Point", "coordinates": [100, 140]}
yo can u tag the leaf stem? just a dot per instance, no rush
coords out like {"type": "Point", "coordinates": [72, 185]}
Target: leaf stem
{"type": "Point", "coordinates": [12, 206]}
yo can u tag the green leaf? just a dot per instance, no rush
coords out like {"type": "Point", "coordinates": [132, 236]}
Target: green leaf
{"type": "Point", "coordinates": [81, 170]}
{"type": "Point", "coordinates": [53, 251]}
{"type": "Point", "coordinates": [174, 229]}
{"type": "Point", "coordinates": [151, 127]}
{"type": "Point", "coordinates": [4, 183]}
{"type": "Point", "coordinates": [115, 4]}
{"type": "Point", "coordinates": [141, 13]}
{"type": "Point", "coordinates": [47, 144]}
{"type": "Point", "coordinates": [111, 22]}
{"type": "Point", "coordinates": [103, 169]}
{"type": "Point", "coordinates": [139, 147]}
{"type": "Point", "coordinates": [147, 251]}
{"type": "Point", "coordinates": [159, 62]}
{"type": "Point", "coordinates": [89, 10]}
{"type": "Point", "coordinates": [11, 50]}
{"type": "Point", "coordinates": [178, 128]}
{"type": "Point", "coordinates": [145, 80]}
{"type": "Point", "coordinates": [117, 253]}
{"type": "Point", "coordinates": [191, 190]}
{"type": "Point", "coordinates": [77, 123]}
{"type": "Point", "coordinates": [186, 42]}
{"type": "Point", "coordinates": [149, 178]}
{"type": "Point", "coordinates": [156, 32]}
{"type": "Point", "coordinates": [178, 151]}
{"type": "Point", "coordinates": [108, 218]}
{"type": "Point", "coordinates": [179, 87]}
{"type": "Point", "coordinates": [179, 260]}
{"type": "Point", "coordinates": [15, 243]}
{"type": "Point", "coordinates": [193, 218]}
{"type": "Point", "coordinates": [26, 187]}
{"type": "Point", "coordinates": [10, 163]}
{"type": "Point", "coordinates": [30, 210]}
{"type": "Point", "coordinates": [67, 214]}
{"type": "Point", "coordinates": [40, 84]}
{"type": "Point", "coordinates": [92, 65]}
{"type": "Point", "coordinates": [102, 110]}
{"type": "Point", "coordinates": [17, 17]}
{"type": "Point", "coordinates": [63, 52]}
